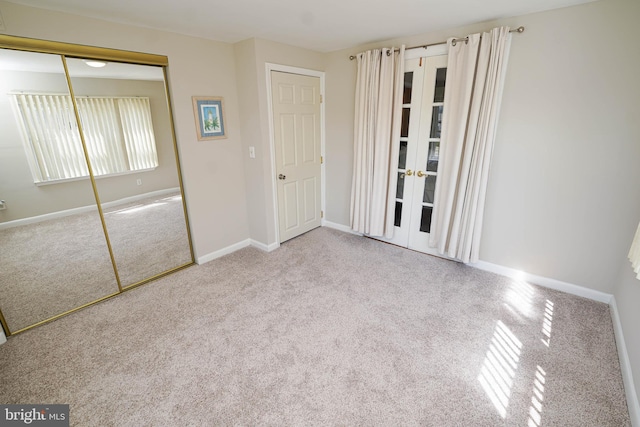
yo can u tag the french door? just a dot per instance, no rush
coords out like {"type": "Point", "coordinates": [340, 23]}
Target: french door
{"type": "Point", "coordinates": [423, 104]}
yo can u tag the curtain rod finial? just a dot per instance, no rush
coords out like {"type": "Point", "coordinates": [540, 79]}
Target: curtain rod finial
{"type": "Point", "coordinates": [520, 29]}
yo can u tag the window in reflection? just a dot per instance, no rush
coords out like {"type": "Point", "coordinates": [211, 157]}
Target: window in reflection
{"type": "Point", "coordinates": [118, 134]}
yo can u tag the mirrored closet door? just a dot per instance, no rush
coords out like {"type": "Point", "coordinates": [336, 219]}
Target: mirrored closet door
{"type": "Point", "coordinates": [92, 200]}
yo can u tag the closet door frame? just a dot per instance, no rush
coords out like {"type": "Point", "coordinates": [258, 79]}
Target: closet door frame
{"type": "Point", "coordinates": [68, 50]}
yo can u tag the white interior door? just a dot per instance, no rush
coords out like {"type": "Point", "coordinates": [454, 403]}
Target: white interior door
{"type": "Point", "coordinates": [296, 124]}
{"type": "Point", "coordinates": [423, 100]}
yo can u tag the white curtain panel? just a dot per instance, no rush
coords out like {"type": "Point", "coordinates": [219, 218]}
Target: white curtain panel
{"type": "Point", "coordinates": [634, 253]}
{"type": "Point", "coordinates": [378, 110]}
{"type": "Point", "coordinates": [475, 78]}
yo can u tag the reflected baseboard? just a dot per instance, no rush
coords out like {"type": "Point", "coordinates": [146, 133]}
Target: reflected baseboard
{"type": "Point", "coordinates": [84, 209]}
{"type": "Point", "coordinates": [236, 247]}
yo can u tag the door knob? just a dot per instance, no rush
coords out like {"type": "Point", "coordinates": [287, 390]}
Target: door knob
{"type": "Point", "coordinates": [409, 172]}
{"type": "Point", "coordinates": [420, 174]}
{"type": "Point", "coordinates": [282, 176]}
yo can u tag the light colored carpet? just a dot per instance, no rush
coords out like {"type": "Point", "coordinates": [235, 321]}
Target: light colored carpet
{"type": "Point", "coordinates": [330, 329]}
{"type": "Point", "coordinates": [56, 265]}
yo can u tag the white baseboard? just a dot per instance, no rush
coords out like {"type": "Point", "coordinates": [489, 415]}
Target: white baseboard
{"type": "Point", "coordinates": [47, 217]}
{"type": "Point", "coordinates": [625, 366]}
{"type": "Point", "coordinates": [546, 282]}
{"type": "Point", "coordinates": [142, 196]}
{"type": "Point", "coordinates": [235, 247]}
{"type": "Point", "coordinates": [224, 251]}
{"type": "Point", "coordinates": [264, 246]}
{"type": "Point", "coordinates": [84, 209]}
{"type": "Point", "coordinates": [340, 227]}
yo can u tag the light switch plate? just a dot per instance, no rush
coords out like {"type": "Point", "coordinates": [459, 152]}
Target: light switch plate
{"type": "Point", "coordinates": [252, 152]}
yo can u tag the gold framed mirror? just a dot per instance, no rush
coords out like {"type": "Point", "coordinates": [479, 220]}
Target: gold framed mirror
{"type": "Point", "coordinates": [93, 202]}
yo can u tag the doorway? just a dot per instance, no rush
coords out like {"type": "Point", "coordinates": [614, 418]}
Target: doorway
{"type": "Point", "coordinates": [423, 104]}
{"type": "Point", "coordinates": [297, 151]}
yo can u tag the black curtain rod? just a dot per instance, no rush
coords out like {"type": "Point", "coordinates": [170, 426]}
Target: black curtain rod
{"type": "Point", "coordinates": [454, 41]}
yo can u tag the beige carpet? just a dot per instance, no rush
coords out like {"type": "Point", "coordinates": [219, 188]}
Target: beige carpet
{"type": "Point", "coordinates": [56, 265]}
{"type": "Point", "coordinates": [330, 329]}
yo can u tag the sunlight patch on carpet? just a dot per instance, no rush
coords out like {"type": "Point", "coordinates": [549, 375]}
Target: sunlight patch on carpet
{"type": "Point", "coordinates": [520, 298]}
{"type": "Point", "coordinates": [547, 322]}
{"type": "Point", "coordinates": [500, 366]}
{"type": "Point", "coordinates": [535, 411]}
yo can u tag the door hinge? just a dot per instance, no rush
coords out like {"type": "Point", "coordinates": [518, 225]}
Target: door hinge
{"type": "Point", "coordinates": [320, 99]}
{"type": "Point", "coordinates": [321, 160]}
{"type": "Point", "coordinates": [321, 214]}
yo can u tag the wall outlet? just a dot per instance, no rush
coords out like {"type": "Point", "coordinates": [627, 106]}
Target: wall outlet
{"type": "Point", "coordinates": [252, 152]}
{"type": "Point", "coordinates": [139, 181]}
{"type": "Point", "coordinates": [3, 205]}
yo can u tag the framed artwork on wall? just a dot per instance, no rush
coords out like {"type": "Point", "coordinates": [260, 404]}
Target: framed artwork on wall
{"type": "Point", "coordinates": [209, 115]}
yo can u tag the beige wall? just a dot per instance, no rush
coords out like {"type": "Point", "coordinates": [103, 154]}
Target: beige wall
{"type": "Point", "coordinates": [212, 170]}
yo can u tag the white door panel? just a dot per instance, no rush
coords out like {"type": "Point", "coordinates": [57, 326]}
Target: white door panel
{"type": "Point", "coordinates": [290, 204]}
{"type": "Point", "coordinates": [311, 208]}
{"type": "Point", "coordinates": [296, 118]}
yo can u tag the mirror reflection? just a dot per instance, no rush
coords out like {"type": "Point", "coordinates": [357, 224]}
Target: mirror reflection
{"type": "Point", "coordinates": [127, 129]}
{"type": "Point", "coordinates": [54, 256]}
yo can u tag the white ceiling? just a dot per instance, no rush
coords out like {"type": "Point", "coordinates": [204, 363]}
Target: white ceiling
{"type": "Point", "coordinates": [323, 26]}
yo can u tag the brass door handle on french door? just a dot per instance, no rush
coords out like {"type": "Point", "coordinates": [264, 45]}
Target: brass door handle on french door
{"type": "Point", "coordinates": [409, 172]}
{"type": "Point", "coordinates": [282, 176]}
{"type": "Point", "coordinates": [420, 174]}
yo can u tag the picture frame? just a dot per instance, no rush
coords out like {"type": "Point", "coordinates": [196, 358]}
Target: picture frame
{"type": "Point", "coordinates": [209, 116]}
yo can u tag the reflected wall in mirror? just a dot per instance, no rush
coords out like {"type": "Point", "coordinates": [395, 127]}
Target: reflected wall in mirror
{"type": "Point", "coordinates": [54, 256]}
{"type": "Point", "coordinates": [127, 129]}
{"type": "Point", "coordinates": [91, 208]}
